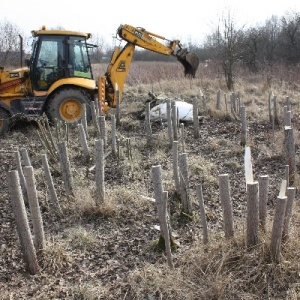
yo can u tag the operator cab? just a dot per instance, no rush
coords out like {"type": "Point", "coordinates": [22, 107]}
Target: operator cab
{"type": "Point", "coordinates": [58, 54]}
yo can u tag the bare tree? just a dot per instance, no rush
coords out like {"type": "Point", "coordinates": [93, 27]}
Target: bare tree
{"type": "Point", "coordinates": [269, 35]}
{"type": "Point", "coordinates": [97, 53]}
{"type": "Point", "coordinates": [227, 39]}
{"type": "Point", "coordinates": [251, 49]}
{"type": "Point", "coordinates": [290, 37]}
{"type": "Point", "coordinates": [9, 43]}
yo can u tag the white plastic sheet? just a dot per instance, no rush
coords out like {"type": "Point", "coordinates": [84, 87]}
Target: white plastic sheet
{"type": "Point", "coordinates": [184, 109]}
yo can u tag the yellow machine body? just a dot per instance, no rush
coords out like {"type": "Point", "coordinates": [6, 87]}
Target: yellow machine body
{"type": "Point", "coordinates": [58, 79]}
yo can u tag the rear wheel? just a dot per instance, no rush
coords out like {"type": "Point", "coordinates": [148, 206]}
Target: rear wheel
{"type": "Point", "coordinates": [67, 106]}
{"type": "Point", "coordinates": [4, 121]}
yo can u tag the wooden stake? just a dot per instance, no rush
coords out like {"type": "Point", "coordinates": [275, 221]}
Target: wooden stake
{"type": "Point", "coordinates": [225, 200]}
{"type": "Point", "coordinates": [23, 229]}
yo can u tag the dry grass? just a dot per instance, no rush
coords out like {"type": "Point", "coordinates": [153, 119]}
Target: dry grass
{"type": "Point", "coordinates": [82, 239]}
{"type": "Point", "coordinates": [254, 91]}
{"type": "Point", "coordinates": [109, 235]}
{"type": "Point", "coordinates": [55, 257]}
{"type": "Point", "coordinates": [222, 270]}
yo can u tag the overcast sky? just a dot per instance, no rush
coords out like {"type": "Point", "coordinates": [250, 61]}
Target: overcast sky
{"type": "Point", "coordinates": [184, 20]}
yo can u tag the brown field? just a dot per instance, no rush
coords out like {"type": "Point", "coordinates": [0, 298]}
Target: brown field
{"type": "Point", "coordinates": [108, 251]}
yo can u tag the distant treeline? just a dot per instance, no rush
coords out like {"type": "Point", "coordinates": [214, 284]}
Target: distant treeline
{"type": "Point", "coordinates": [278, 40]}
{"type": "Point", "coordinates": [255, 48]}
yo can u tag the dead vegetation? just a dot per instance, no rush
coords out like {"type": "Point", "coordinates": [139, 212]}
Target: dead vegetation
{"type": "Point", "coordinates": [107, 251]}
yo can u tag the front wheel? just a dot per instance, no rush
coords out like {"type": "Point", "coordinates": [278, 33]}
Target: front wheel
{"type": "Point", "coordinates": [67, 106]}
{"type": "Point", "coordinates": [4, 121]}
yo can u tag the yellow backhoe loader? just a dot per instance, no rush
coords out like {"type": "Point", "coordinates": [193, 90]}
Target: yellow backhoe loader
{"type": "Point", "coordinates": [58, 78]}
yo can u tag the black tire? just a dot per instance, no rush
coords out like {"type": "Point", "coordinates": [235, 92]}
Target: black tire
{"type": "Point", "coordinates": [67, 105]}
{"type": "Point", "coordinates": [4, 121]}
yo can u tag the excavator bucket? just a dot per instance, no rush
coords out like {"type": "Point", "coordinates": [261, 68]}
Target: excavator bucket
{"type": "Point", "coordinates": [189, 60]}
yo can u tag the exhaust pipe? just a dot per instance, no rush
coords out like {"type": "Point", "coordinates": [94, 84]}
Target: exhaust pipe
{"type": "Point", "coordinates": [21, 50]}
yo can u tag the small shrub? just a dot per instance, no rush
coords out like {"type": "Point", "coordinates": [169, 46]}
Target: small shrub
{"type": "Point", "coordinates": [82, 239]}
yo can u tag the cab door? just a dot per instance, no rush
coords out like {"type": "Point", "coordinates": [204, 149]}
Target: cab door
{"type": "Point", "coordinates": [49, 62]}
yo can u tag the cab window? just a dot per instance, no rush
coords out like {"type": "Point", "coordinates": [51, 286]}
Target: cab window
{"type": "Point", "coordinates": [79, 58]}
{"type": "Point", "coordinates": [49, 62]}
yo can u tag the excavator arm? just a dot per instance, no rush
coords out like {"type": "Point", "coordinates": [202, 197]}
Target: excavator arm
{"type": "Point", "coordinates": [112, 83]}
{"type": "Point", "coordinates": [147, 40]}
